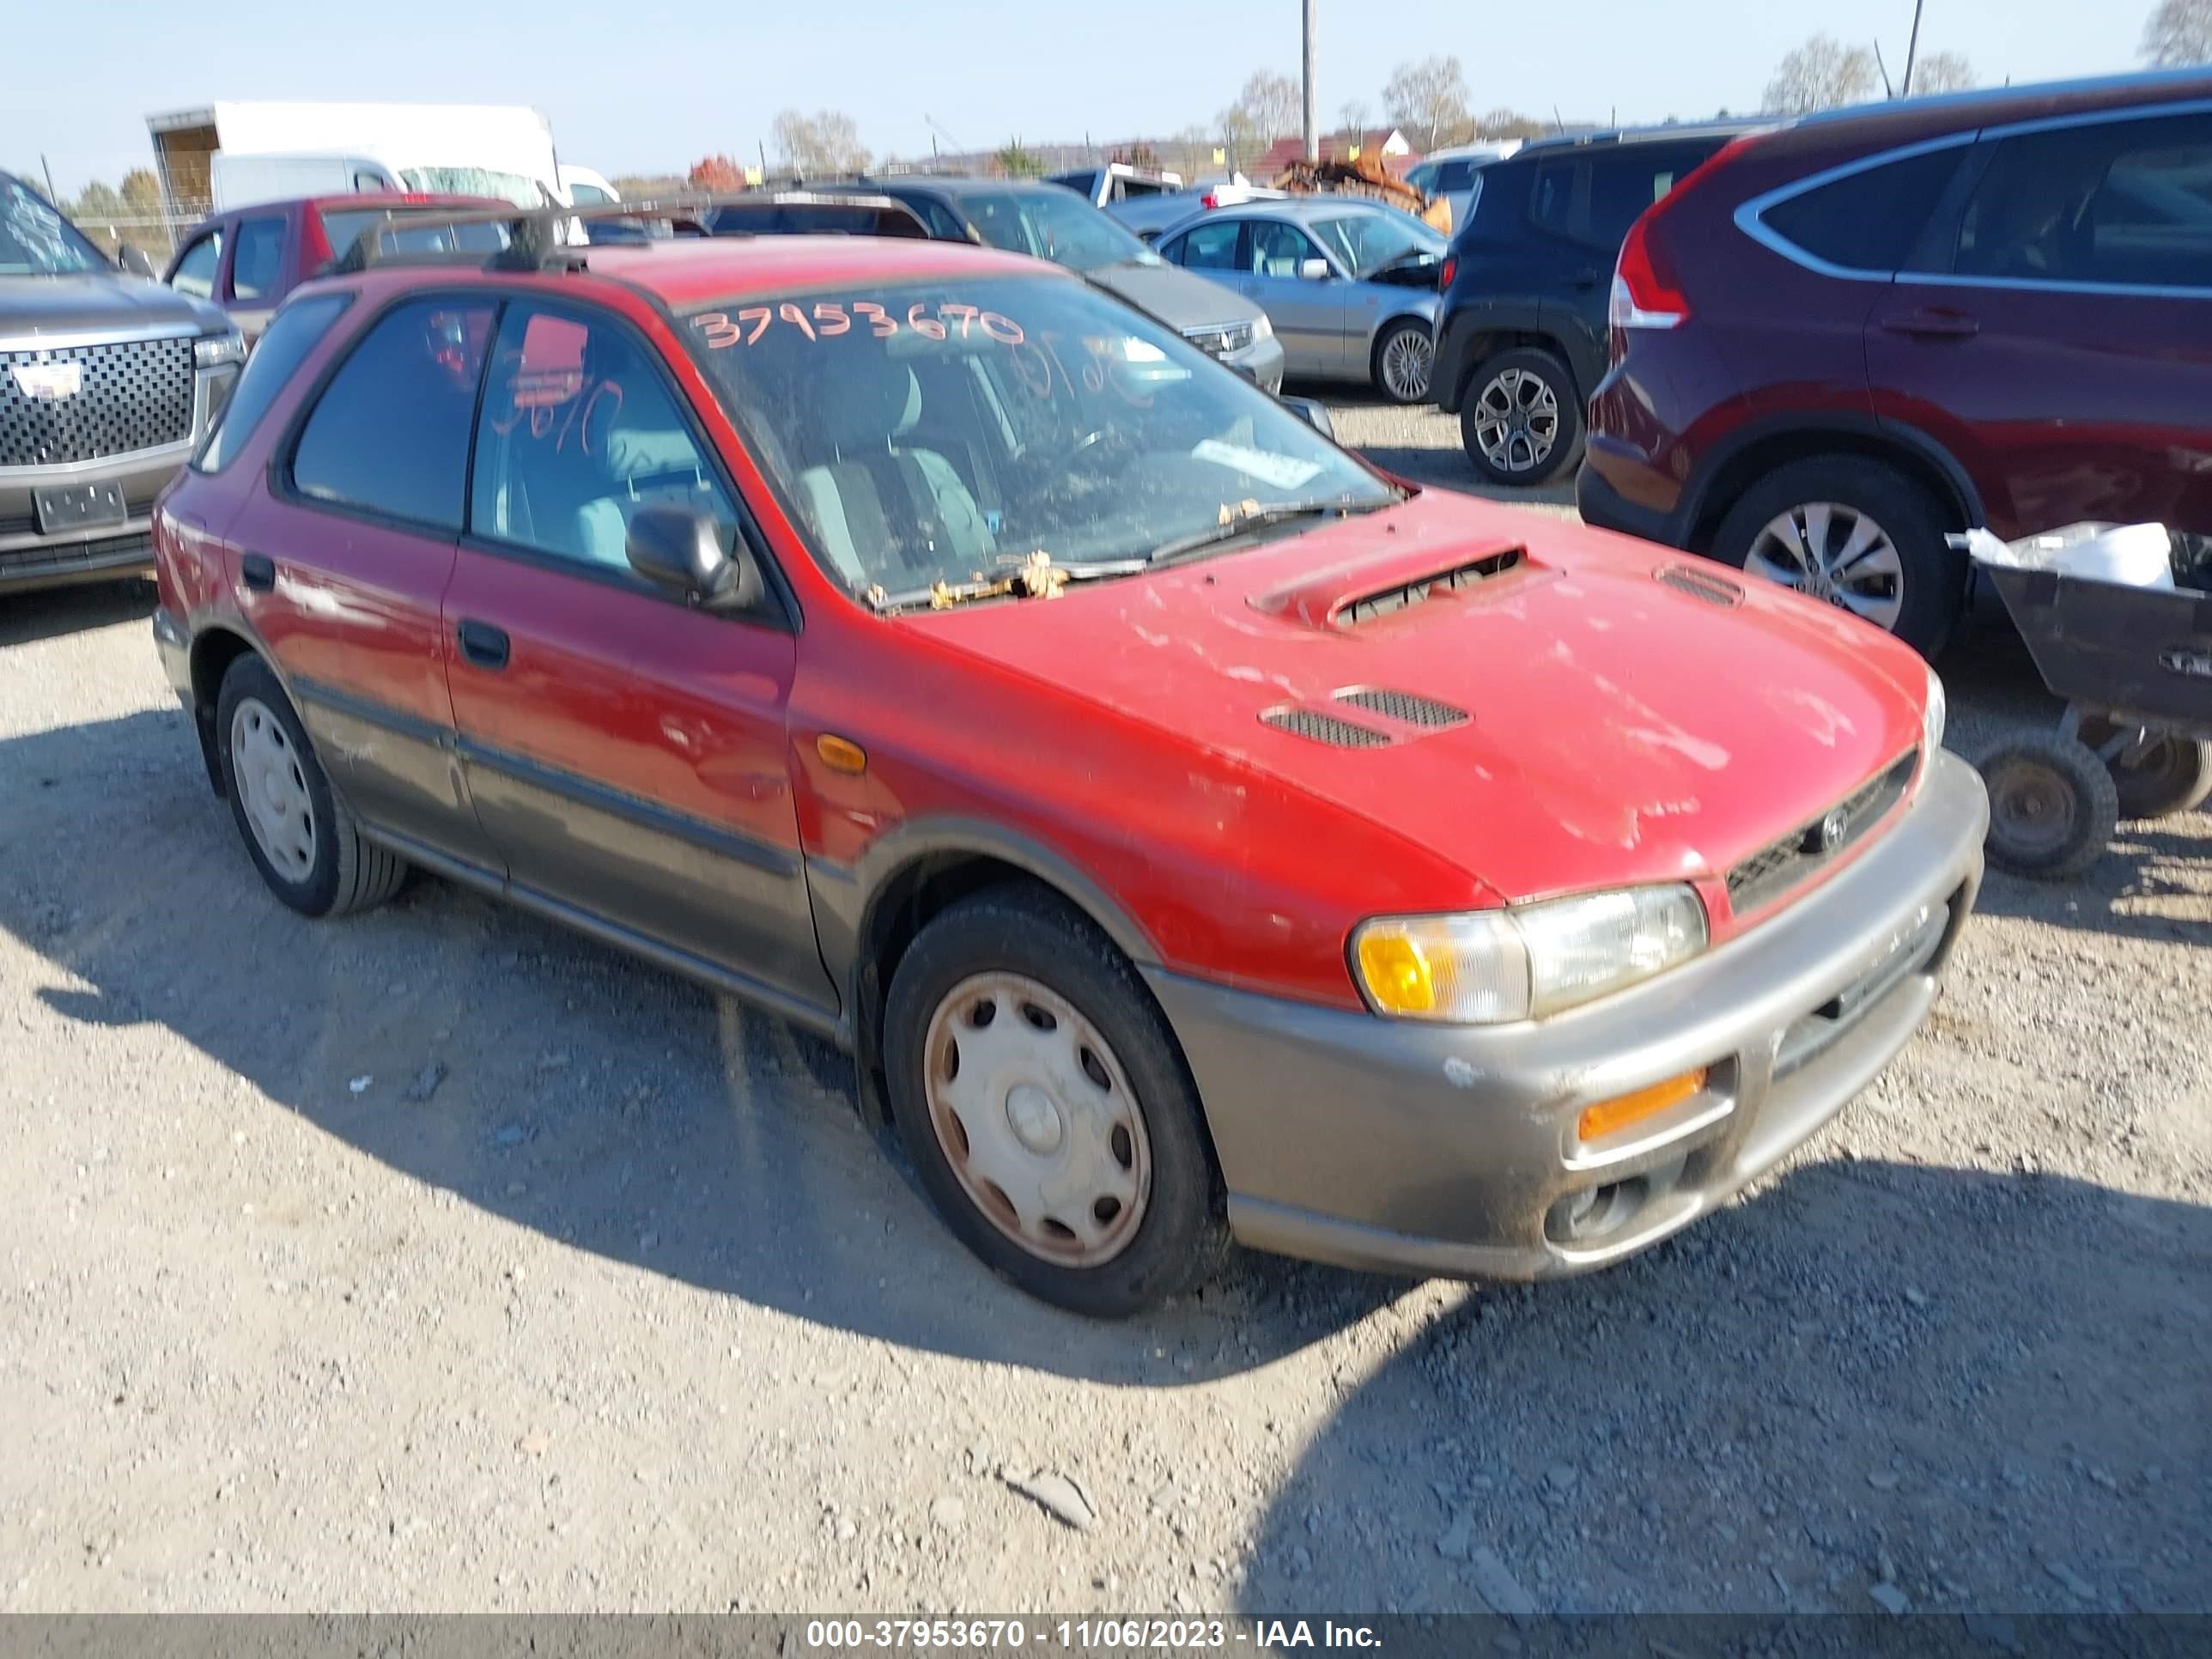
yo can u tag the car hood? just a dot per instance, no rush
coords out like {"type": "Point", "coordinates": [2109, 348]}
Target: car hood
{"type": "Point", "coordinates": [1618, 726]}
{"type": "Point", "coordinates": [33, 307]}
{"type": "Point", "coordinates": [1178, 299]}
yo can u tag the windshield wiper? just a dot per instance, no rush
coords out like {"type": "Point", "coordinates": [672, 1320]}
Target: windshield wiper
{"type": "Point", "coordinates": [1243, 524]}
{"type": "Point", "coordinates": [1035, 578]}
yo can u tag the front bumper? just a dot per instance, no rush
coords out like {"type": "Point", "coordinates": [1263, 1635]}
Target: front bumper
{"type": "Point", "coordinates": [1389, 1144]}
{"type": "Point", "coordinates": [1603, 506]}
{"type": "Point", "coordinates": [1262, 363]}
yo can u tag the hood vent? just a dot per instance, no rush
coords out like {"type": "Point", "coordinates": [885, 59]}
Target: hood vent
{"type": "Point", "coordinates": [1323, 728]}
{"type": "Point", "coordinates": [1371, 607]}
{"type": "Point", "coordinates": [1701, 585]}
{"type": "Point", "coordinates": [1405, 707]}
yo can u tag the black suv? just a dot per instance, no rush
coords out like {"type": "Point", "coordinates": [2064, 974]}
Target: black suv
{"type": "Point", "coordinates": [1521, 339]}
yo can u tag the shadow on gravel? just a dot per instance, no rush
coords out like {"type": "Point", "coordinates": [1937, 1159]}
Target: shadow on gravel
{"type": "Point", "coordinates": [546, 1080]}
{"type": "Point", "coordinates": [2001, 1382]}
{"type": "Point", "coordinates": [26, 618]}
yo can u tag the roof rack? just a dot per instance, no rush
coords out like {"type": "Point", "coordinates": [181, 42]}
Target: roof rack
{"type": "Point", "coordinates": [1640, 135]}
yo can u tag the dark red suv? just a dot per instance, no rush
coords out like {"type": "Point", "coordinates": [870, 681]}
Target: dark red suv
{"type": "Point", "coordinates": [1842, 338]}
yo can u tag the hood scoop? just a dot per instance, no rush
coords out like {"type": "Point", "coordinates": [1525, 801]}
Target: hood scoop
{"type": "Point", "coordinates": [1357, 594]}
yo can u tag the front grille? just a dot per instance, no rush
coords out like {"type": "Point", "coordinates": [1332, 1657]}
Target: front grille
{"type": "Point", "coordinates": [1405, 707]}
{"type": "Point", "coordinates": [1323, 728]}
{"type": "Point", "coordinates": [1782, 864]}
{"type": "Point", "coordinates": [1221, 342]}
{"type": "Point", "coordinates": [133, 395]}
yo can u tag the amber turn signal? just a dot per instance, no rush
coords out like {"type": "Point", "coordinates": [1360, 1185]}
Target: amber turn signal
{"type": "Point", "coordinates": [841, 754]}
{"type": "Point", "coordinates": [1610, 1116]}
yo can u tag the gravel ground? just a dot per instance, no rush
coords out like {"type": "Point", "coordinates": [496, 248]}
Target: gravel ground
{"type": "Point", "coordinates": [440, 1260]}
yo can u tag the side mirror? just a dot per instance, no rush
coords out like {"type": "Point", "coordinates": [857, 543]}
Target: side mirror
{"type": "Point", "coordinates": [1313, 271]}
{"type": "Point", "coordinates": [1313, 414]}
{"type": "Point", "coordinates": [681, 551]}
{"type": "Point", "coordinates": [132, 258]}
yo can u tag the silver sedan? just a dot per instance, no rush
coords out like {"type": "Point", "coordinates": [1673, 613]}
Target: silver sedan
{"type": "Point", "coordinates": [1349, 284]}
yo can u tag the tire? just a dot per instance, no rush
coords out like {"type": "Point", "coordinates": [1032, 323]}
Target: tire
{"type": "Point", "coordinates": [1011, 950]}
{"type": "Point", "coordinates": [2053, 806]}
{"type": "Point", "coordinates": [1413, 339]}
{"type": "Point", "coordinates": [1920, 595]}
{"type": "Point", "coordinates": [1520, 369]}
{"type": "Point", "coordinates": [256, 725]}
{"type": "Point", "coordinates": [2173, 775]}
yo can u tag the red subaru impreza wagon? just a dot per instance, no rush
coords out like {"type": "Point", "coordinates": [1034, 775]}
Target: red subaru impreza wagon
{"type": "Point", "coordinates": [1193, 833]}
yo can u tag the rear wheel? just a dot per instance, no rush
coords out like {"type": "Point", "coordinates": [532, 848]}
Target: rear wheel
{"type": "Point", "coordinates": [1404, 357]}
{"type": "Point", "coordinates": [2156, 778]}
{"type": "Point", "coordinates": [1521, 422]}
{"type": "Point", "coordinates": [2052, 806]}
{"type": "Point", "coordinates": [1856, 534]}
{"type": "Point", "coordinates": [1047, 1111]}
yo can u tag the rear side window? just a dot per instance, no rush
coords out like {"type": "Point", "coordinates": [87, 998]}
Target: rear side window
{"type": "Point", "coordinates": [2124, 204]}
{"type": "Point", "coordinates": [291, 334]}
{"type": "Point", "coordinates": [1552, 203]}
{"type": "Point", "coordinates": [1453, 176]}
{"type": "Point", "coordinates": [195, 272]}
{"type": "Point", "coordinates": [1868, 220]}
{"type": "Point", "coordinates": [256, 265]}
{"type": "Point", "coordinates": [391, 432]}
{"type": "Point", "coordinates": [1623, 185]}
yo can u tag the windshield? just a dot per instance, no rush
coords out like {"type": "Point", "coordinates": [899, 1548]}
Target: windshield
{"type": "Point", "coordinates": [941, 431]}
{"type": "Point", "coordinates": [1053, 225]}
{"type": "Point", "coordinates": [35, 240]}
{"type": "Point", "coordinates": [475, 181]}
{"type": "Point", "coordinates": [1368, 241]}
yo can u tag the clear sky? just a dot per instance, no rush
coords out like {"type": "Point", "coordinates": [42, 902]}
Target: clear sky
{"type": "Point", "coordinates": [649, 86]}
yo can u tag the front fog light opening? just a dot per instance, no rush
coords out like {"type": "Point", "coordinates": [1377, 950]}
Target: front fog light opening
{"type": "Point", "coordinates": [1592, 1214]}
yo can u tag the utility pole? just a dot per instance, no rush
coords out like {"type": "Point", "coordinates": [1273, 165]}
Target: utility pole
{"type": "Point", "coordinates": [1312, 120]}
{"type": "Point", "coordinates": [1912, 49]}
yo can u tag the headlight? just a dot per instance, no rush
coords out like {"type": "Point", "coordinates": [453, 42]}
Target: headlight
{"type": "Point", "coordinates": [214, 349]}
{"type": "Point", "coordinates": [1931, 718]}
{"type": "Point", "coordinates": [1263, 329]}
{"type": "Point", "coordinates": [1488, 967]}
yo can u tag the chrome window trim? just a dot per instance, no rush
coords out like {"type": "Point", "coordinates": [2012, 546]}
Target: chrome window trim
{"type": "Point", "coordinates": [1749, 219]}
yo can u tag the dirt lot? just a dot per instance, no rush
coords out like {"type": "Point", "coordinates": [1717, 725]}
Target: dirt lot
{"type": "Point", "coordinates": [437, 1259]}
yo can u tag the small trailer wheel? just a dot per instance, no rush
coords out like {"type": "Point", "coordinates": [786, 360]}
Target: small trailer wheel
{"type": "Point", "coordinates": [2053, 806]}
{"type": "Point", "coordinates": [2164, 775]}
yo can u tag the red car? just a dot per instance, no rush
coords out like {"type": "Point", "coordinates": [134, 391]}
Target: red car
{"type": "Point", "coordinates": [1193, 832]}
{"type": "Point", "coordinates": [247, 259]}
{"type": "Point", "coordinates": [1839, 342]}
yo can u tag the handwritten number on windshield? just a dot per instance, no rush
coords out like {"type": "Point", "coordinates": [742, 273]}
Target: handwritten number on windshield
{"type": "Point", "coordinates": [829, 319]}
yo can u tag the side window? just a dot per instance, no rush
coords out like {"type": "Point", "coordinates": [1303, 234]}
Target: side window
{"type": "Point", "coordinates": [1453, 176]}
{"type": "Point", "coordinates": [291, 334]}
{"type": "Point", "coordinates": [942, 223]}
{"type": "Point", "coordinates": [1552, 203]}
{"type": "Point", "coordinates": [1868, 220]}
{"type": "Point", "coordinates": [2126, 202]}
{"type": "Point", "coordinates": [391, 432]}
{"type": "Point", "coordinates": [1622, 187]}
{"type": "Point", "coordinates": [257, 264]}
{"type": "Point", "coordinates": [587, 196]}
{"type": "Point", "coordinates": [1209, 247]}
{"type": "Point", "coordinates": [579, 430]}
{"type": "Point", "coordinates": [1278, 249]}
{"type": "Point", "coordinates": [195, 272]}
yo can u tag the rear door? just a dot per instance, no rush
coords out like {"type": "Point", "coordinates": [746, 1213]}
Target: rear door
{"type": "Point", "coordinates": [626, 751]}
{"type": "Point", "coordinates": [2054, 328]}
{"type": "Point", "coordinates": [342, 562]}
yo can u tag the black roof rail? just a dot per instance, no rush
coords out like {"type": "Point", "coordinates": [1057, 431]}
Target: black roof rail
{"type": "Point", "coordinates": [1551, 141]}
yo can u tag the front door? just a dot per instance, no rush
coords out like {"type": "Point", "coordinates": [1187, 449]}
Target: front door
{"type": "Point", "coordinates": [2056, 336]}
{"type": "Point", "coordinates": [1308, 312]}
{"type": "Point", "coordinates": [374, 484]}
{"type": "Point", "coordinates": [626, 751]}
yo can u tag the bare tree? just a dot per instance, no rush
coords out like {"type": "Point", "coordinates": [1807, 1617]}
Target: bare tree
{"type": "Point", "coordinates": [2180, 32]}
{"type": "Point", "coordinates": [1269, 108]}
{"type": "Point", "coordinates": [1944, 71]}
{"type": "Point", "coordinates": [824, 142]}
{"type": "Point", "coordinates": [1506, 123]}
{"type": "Point", "coordinates": [1822, 74]}
{"type": "Point", "coordinates": [1430, 97]}
{"type": "Point", "coordinates": [1353, 115]}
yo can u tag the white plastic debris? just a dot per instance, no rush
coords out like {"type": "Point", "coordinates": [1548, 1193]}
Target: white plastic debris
{"type": "Point", "coordinates": [2131, 555]}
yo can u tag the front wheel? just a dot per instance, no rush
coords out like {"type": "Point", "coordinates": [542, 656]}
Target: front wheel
{"type": "Point", "coordinates": [1047, 1111]}
{"type": "Point", "coordinates": [2052, 806]}
{"type": "Point", "coordinates": [1404, 357]}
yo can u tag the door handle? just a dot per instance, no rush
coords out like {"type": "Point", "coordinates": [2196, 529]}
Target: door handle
{"type": "Point", "coordinates": [259, 572]}
{"type": "Point", "coordinates": [1933, 324]}
{"type": "Point", "coordinates": [482, 644]}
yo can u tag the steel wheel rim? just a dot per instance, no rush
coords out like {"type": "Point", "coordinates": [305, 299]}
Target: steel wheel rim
{"type": "Point", "coordinates": [272, 788]}
{"type": "Point", "coordinates": [1834, 552]}
{"type": "Point", "coordinates": [1036, 1119]}
{"type": "Point", "coordinates": [1406, 360]}
{"type": "Point", "coordinates": [1516, 420]}
{"type": "Point", "coordinates": [2032, 807]}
